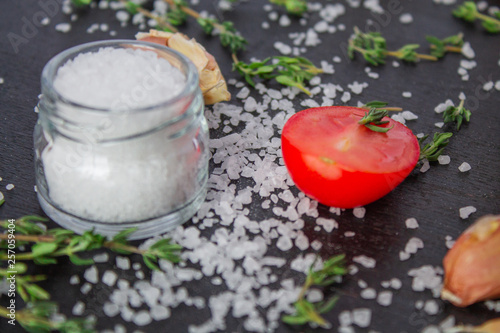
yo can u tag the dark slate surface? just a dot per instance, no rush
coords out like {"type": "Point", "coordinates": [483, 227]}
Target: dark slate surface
{"type": "Point", "coordinates": [433, 198]}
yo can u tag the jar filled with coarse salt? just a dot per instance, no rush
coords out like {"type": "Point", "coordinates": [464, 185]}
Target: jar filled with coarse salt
{"type": "Point", "coordinates": [121, 138]}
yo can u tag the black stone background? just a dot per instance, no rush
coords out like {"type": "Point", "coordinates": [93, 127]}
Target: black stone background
{"type": "Point", "coordinates": [433, 198]}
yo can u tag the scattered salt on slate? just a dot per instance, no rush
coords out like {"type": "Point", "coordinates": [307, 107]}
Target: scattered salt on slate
{"type": "Point", "coordinates": [254, 155]}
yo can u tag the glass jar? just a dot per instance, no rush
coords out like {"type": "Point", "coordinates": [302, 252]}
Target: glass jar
{"type": "Point", "coordinates": [108, 169]}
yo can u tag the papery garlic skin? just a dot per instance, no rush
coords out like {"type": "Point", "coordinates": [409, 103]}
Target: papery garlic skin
{"type": "Point", "coordinates": [491, 326]}
{"type": "Point", "coordinates": [472, 266]}
{"type": "Point", "coordinates": [212, 83]}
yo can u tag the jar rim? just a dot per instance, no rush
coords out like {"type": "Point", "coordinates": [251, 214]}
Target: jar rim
{"type": "Point", "coordinates": [50, 71]}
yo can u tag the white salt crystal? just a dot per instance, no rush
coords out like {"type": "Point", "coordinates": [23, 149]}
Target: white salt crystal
{"type": "Point", "coordinates": [362, 284]}
{"type": "Point", "coordinates": [74, 279]}
{"type": "Point", "coordinates": [265, 25]}
{"type": "Point", "coordinates": [345, 318]}
{"type": "Point", "coordinates": [443, 106]}
{"type": "Point", "coordinates": [449, 242]}
{"type": "Point", "coordinates": [368, 293]}
{"type": "Point", "coordinates": [349, 234]}
{"type": "Point", "coordinates": [91, 274]}
{"type": "Point", "coordinates": [403, 256]}
{"type": "Point", "coordinates": [314, 295]}
{"type": "Point", "coordinates": [362, 317]}
{"type": "Point", "coordinates": [464, 167]}
{"type": "Point", "coordinates": [444, 159]}
{"type": "Point", "coordinates": [123, 263]}
{"type": "Point", "coordinates": [488, 86]}
{"type": "Point", "coordinates": [122, 16]}
{"type": "Point", "coordinates": [86, 288]}
{"type": "Point", "coordinates": [45, 21]}
{"type": "Point", "coordinates": [321, 26]}
{"type": "Point", "coordinates": [63, 27]}
{"type": "Point", "coordinates": [439, 124]}
{"type": "Point", "coordinates": [9, 187]}
{"type": "Point", "coordinates": [384, 298]}
{"type": "Point", "coordinates": [111, 309]}
{"type": "Point", "coordinates": [407, 94]}
{"type": "Point", "coordinates": [316, 245]}
{"type": "Point", "coordinates": [385, 284]}
{"type": "Point", "coordinates": [365, 261]}
{"type": "Point", "coordinates": [461, 96]}
{"type": "Point", "coordinates": [337, 59]}
{"type": "Point", "coordinates": [159, 312]}
{"type": "Point", "coordinates": [465, 212]}
{"type": "Point", "coordinates": [101, 257]}
{"type": "Point", "coordinates": [273, 16]}
{"type": "Point", "coordinates": [431, 307]}
{"type": "Point", "coordinates": [468, 64]}
{"type": "Point", "coordinates": [283, 48]}
{"type": "Point", "coordinates": [356, 87]}
{"type": "Point", "coordinates": [142, 318]}
{"type": "Point", "coordinates": [411, 223]}
{"type": "Point", "coordinates": [328, 224]}
{"type": "Point", "coordinates": [467, 50]}
{"type": "Point", "coordinates": [425, 167]}
{"type": "Point", "coordinates": [78, 308]}
{"type": "Point", "coordinates": [406, 18]}
{"type": "Point", "coordinates": [359, 212]}
{"type": "Point", "coordinates": [373, 75]}
{"type": "Point", "coordinates": [284, 21]}
{"type": "Point", "coordinates": [109, 278]}
{"type": "Point", "coordinates": [396, 283]}
{"type": "Point", "coordinates": [395, 64]}
{"type": "Point", "coordinates": [408, 115]}
{"type": "Point", "coordinates": [284, 243]}
{"type": "Point", "coordinates": [302, 242]}
{"type": "Point", "coordinates": [346, 97]}
{"type": "Point", "coordinates": [413, 245]}
{"type": "Point", "coordinates": [497, 85]}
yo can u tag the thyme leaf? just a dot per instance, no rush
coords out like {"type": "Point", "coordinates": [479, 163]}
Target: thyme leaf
{"type": "Point", "coordinates": [432, 150]}
{"type": "Point", "coordinates": [294, 7]}
{"type": "Point", "coordinates": [457, 114]}
{"type": "Point", "coordinates": [468, 12]}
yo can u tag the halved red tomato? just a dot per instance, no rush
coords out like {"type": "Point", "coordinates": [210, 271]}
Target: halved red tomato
{"type": "Point", "coordinates": [341, 163]}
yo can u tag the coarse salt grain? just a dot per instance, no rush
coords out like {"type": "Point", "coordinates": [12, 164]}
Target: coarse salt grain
{"type": "Point", "coordinates": [63, 27]}
{"type": "Point", "coordinates": [464, 167]}
{"type": "Point", "coordinates": [359, 212]}
{"type": "Point", "coordinates": [411, 223]}
{"type": "Point", "coordinates": [406, 18]}
{"type": "Point", "coordinates": [9, 187]}
{"type": "Point", "coordinates": [466, 211]}
{"type": "Point", "coordinates": [365, 261]}
{"type": "Point", "coordinates": [444, 159]}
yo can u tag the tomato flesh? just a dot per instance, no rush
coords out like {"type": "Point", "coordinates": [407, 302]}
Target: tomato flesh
{"type": "Point", "coordinates": [341, 163]}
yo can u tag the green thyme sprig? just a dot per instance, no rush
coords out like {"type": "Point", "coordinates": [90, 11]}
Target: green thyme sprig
{"type": "Point", "coordinates": [468, 12]}
{"type": "Point", "coordinates": [457, 114]}
{"type": "Point", "coordinates": [373, 47]}
{"type": "Point", "coordinates": [58, 242]}
{"type": "Point", "coordinates": [38, 317]}
{"type": "Point", "coordinates": [229, 37]}
{"type": "Point", "coordinates": [81, 3]}
{"type": "Point", "coordinates": [307, 312]}
{"type": "Point", "coordinates": [373, 118]}
{"type": "Point", "coordinates": [432, 150]}
{"type": "Point", "coordinates": [439, 47]}
{"type": "Point", "coordinates": [295, 7]}
{"type": "Point", "coordinates": [287, 71]}
{"type": "Point", "coordinates": [25, 284]}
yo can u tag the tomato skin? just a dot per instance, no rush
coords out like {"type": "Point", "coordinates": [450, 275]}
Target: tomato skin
{"type": "Point", "coordinates": [358, 180]}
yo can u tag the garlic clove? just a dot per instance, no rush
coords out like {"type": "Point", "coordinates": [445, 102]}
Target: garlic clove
{"type": "Point", "coordinates": [491, 326]}
{"type": "Point", "coordinates": [472, 270]}
{"type": "Point", "coordinates": [212, 83]}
